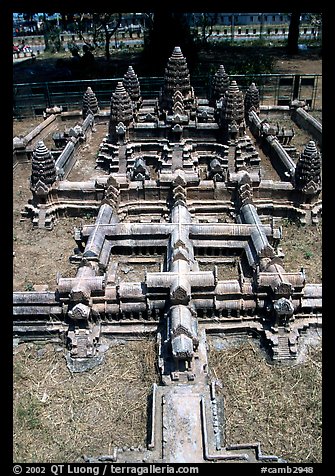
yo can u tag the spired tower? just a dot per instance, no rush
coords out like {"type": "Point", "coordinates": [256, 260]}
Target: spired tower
{"type": "Point", "coordinates": [121, 114]}
{"type": "Point", "coordinates": [177, 77]}
{"type": "Point", "coordinates": [251, 99]}
{"type": "Point", "coordinates": [220, 84]}
{"type": "Point", "coordinates": [308, 170]}
{"type": "Point", "coordinates": [43, 173]}
{"type": "Point", "coordinates": [132, 86]}
{"type": "Point", "coordinates": [232, 112]}
{"type": "Point", "coordinates": [90, 103]}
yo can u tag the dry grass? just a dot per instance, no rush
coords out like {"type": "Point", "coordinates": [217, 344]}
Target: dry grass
{"type": "Point", "coordinates": [302, 245]}
{"type": "Point", "coordinates": [60, 416]}
{"type": "Point", "coordinates": [22, 127]}
{"type": "Point", "coordinates": [277, 405]}
{"type": "Point", "coordinates": [39, 253]}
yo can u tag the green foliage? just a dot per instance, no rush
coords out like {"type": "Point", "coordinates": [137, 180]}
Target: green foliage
{"type": "Point", "coordinates": [237, 59]}
{"type": "Point", "coordinates": [52, 39]}
{"type": "Point", "coordinates": [29, 287]}
{"type": "Point", "coordinates": [28, 413]}
{"type": "Point", "coordinates": [73, 48]}
{"type": "Point", "coordinates": [292, 221]}
{"type": "Point", "coordinates": [308, 254]}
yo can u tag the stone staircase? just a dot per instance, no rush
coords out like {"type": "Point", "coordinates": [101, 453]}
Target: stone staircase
{"type": "Point", "coordinates": [82, 345]}
{"type": "Point", "coordinates": [284, 350]}
{"type": "Point", "coordinates": [41, 218]}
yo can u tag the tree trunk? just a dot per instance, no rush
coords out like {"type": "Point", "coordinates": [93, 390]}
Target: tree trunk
{"type": "Point", "coordinates": [169, 29]}
{"type": "Point", "coordinates": [107, 40]}
{"type": "Point", "coordinates": [293, 33]}
{"type": "Point", "coordinates": [109, 34]}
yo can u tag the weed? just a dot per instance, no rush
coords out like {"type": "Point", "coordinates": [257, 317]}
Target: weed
{"type": "Point", "coordinates": [291, 221]}
{"type": "Point", "coordinates": [29, 287]}
{"type": "Point", "coordinates": [308, 255]}
{"type": "Point", "coordinates": [28, 414]}
{"type": "Point", "coordinates": [18, 371]}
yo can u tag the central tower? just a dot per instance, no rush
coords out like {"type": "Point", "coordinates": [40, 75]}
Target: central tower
{"type": "Point", "coordinates": [176, 78]}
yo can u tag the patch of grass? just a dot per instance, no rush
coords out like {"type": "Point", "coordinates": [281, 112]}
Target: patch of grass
{"type": "Point", "coordinates": [277, 405]}
{"type": "Point", "coordinates": [302, 245]}
{"type": "Point", "coordinates": [60, 416]}
{"type": "Point", "coordinates": [29, 287]}
{"type": "Point", "coordinates": [28, 414]}
{"type": "Point", "coordinates": [291, 221]}
{"type": "Point", "coordinates": [18, 371]}
{"type": "Point", "coordinates": [308, 255]}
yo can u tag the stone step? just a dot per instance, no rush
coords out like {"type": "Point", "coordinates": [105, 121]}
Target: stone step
{"type": "Point", "coordinates": [82, 346]}
{"type": "Point", "coordinates": [41, 216]}
{"type": "Point", "coordinates": [282, 351]}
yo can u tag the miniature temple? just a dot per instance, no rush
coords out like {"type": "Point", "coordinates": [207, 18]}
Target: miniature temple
{"type": "Point", "coordinates": [181, 187]}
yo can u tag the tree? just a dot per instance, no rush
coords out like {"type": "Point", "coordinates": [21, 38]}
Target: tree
{"type": "Point", "coordinates": [51, 36]}
{"type": "Point", "coordinates": [28, 16]}
{"type": "Point", "coordinates": [102, 27]}
{"type": "Point", "coordinates": [84, 24]}
{"type": "Point", "coordinates": [206, 23]}
{"type": "Point", "coordinates": [293, 33]}
{"type": "Point", "coordinates": [167, 30]}
{"type": "Point", "coordinates": [316, 20]}
{"type": "Point", "coordinates": [108, 23]}
{"type": "Point", "coordinates": [66, 19]}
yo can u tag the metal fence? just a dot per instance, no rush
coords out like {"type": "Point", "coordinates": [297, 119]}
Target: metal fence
{"type": "Point", "coordinates": [31, 99]}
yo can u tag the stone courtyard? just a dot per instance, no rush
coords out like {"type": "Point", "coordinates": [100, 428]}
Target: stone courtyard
{"type": "Point", "coordinates": [183, 200]}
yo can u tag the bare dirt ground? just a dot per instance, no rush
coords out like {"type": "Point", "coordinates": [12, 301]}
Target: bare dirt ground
{"type": "Point", "coordinates": [22, 127]}
{"type": "Point", "coordinates": [299, 64]}
{"type": "Point", "coordinates": [40, 253]}
{"type": "Point", "coordinates": [303, 65]}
